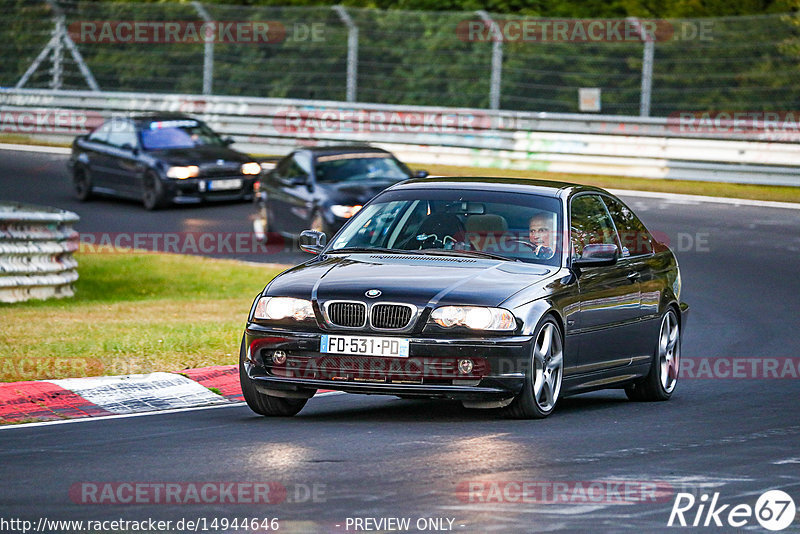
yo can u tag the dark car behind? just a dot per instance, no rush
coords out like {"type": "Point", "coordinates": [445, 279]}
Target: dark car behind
{"type": "Point", "coordinates": [321, 188]}
{"type": "Point", "coordinates": [160, 159]}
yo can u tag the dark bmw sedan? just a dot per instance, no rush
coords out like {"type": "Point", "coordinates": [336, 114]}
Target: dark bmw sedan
{"type": "Point", "coordinates": [497, 292]}
{"type": "Point", "coordinates": [321, 188]}
{"type": "Point", "coordinates": [160, 159]}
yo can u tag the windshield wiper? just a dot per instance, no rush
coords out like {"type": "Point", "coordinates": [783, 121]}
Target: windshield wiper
{"type": "Point", "coordinates": [373, 249]}
{"type": "Point", "coordinates": [443, 252]}
{"type": "Point", "coordinates": [431, 251]}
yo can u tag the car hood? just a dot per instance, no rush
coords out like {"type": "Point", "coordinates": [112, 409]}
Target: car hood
{"type": "Point", "coordinates": [200, 155]}
{"type": "Point", "coordinates": [355, 192]}
{"type": "Point", "coordinates": [422, 280]}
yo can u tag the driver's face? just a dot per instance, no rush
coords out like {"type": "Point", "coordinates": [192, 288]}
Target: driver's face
{"type": "Point", "coordinates": [540, 232]}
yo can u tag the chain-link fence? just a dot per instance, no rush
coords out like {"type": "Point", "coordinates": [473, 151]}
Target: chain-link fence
{"type": "Point", "coordinates": [474, 59]}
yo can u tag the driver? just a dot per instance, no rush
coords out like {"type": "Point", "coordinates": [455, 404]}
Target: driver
{"type": "Point", "coordinates": [541, 234]}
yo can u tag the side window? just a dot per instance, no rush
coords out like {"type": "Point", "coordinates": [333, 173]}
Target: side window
{"type": "Point", "coordinates": [303, 161]}
{"type": "Point", "coordinates": [295, 170]}
{"type": "Point", "coordinates": [283, 167]}
{"type": "Point", "coordinates": [633, 235]}
{"type": "Point", "coordinates": [100, 135]}
{"type": "Point", "coordinates": [590, 223]}
{"type": "Point", "coordinates": [297, 166]}
{"type": "Point", "coordinates": [122, 133]}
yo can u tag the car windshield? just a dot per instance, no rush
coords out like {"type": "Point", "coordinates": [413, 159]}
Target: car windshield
{"type": "Point", "coordinates": [460, 222]}
{"type": "Point", "coordinates": [183, 133]}
{"type": "Point", "coordinates": [355, 167]}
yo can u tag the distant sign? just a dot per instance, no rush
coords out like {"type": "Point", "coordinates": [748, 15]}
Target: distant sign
{"type": "Point", "coordinates": [589, 99]}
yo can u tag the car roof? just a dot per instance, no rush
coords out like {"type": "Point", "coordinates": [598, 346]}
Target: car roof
{"type": "Point", "coordinates": [552, 188]}
{"type": "Point", "coordinates": [150, 117]}
{"type": "Point", "coordinates": [333, 150]}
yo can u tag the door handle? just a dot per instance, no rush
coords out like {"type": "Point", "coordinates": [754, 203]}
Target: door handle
{"type": "Point", "coordinates": [634, 276]}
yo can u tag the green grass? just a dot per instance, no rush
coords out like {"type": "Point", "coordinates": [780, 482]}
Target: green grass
{"type": "Point", "coordinates": [713, 189]}
{"type": "Point", "coordinates": [133, 313]}
{"type": "Point", "coordinates": [19, 139]}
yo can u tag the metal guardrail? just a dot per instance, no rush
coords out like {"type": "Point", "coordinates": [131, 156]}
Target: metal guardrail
{"type": "Point", "coordinates": [36, 246]}
{"type": "Point", "coordinates": [570, 143]}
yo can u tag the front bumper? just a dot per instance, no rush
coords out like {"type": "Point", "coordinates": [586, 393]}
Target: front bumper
{"type": "Point", "coordinates": [193, 190]}
{"type": "Point", "coordinates": [431, 369]}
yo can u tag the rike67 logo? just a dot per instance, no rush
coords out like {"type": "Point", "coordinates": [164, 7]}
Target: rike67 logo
{"type": "Point", "coordinates": [774, 510]}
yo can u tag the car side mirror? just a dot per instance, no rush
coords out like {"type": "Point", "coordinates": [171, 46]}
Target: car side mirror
{"type": "Point", "coordinates": [420, 174]}
{"type": "Point", "coordinates": [312, 241]}
{"type": "Point", "coordinates": [228, 141]}
{"type": "Point", "coordinates": [597, 255]}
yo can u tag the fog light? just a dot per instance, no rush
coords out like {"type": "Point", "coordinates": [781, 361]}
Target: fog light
{"type": "Point", "coordinates": [279, 357]}
{"type": "Point", "coordinates": [465, 367]}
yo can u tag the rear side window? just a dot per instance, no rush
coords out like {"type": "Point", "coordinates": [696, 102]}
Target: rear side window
{"type": "Point", "coordinates": [633, 235]}
{"type": "Point", "coordinates": [590, 223]}
{"type": "Point", "coordinates": [122, 134]}
{"type": "Point", "coordinates": [100, 135]}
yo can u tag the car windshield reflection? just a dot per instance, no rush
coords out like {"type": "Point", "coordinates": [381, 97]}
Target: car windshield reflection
{"type": "Point", "coordinates": [175, 134]}
{"type": "Point", "coordinates": [356, 167]}
{"type": "Point", "coordinates": [471, 223]}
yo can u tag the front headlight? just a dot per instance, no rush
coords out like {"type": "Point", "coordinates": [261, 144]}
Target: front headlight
{"type": "Point", "coordinates": [345, 212]}
{"type": "Point", "coordinates": [474, 317]}
{"type": "Point", "coordinates": [251, 168]}
{"type": "Point", "coordinates": [182, 173]}
{"type": "Point", "coordinates": [276, 308]}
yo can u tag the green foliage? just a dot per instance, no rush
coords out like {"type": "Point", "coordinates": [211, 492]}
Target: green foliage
{"type": "Point", "coordinates": [411, 53]}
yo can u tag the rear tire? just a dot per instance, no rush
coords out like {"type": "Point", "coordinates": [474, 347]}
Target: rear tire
{"type": "Point", "coordinates": [153, 196]}
{"type": "Point", "coordinates": [543, 376]}
{"type": "Point", "coordinates": [660, 382]}
{"type": "Point", "coordinates": [82, 182]}
{"type": "Point", "coordinates": [260, 403]}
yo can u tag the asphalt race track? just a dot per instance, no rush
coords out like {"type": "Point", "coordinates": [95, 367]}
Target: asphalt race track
{"type": "Point", "coordinates": [363, 457]}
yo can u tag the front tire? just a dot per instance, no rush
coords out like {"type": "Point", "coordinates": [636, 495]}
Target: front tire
{"type": "Point", "coordinates": [543, 376]}
{"type": "Point", "coordinates": [82, 182]}
{"type": "Point", "coordinates": [153, 196]}
{"type": "Point", "coordinates": [663, 376]}
{"type": "Point", "coordinates": [260, 403]}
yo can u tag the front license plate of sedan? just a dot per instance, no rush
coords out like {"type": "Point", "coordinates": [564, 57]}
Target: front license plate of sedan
{"type": "Point", "coordinates": [224, 185]}
{"type": "Point", "coordinates": [388, 347]}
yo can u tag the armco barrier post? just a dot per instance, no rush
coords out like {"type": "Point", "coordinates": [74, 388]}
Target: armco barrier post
{"type": "Point", "coordinates": [36, 246]}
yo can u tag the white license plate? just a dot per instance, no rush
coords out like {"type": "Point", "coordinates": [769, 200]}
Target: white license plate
{"type": "Point", "coordinates": [224, 185]}
{"type": "Point", "coordinates": [390, 347]}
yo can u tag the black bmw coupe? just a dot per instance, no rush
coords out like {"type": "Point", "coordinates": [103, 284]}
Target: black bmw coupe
{"type": "Point", "coordinates": [322, 187]}
{"type": "Point", "coordinates": [498, 292]}
{"type": "Point", "coordinates": [160, 159]}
